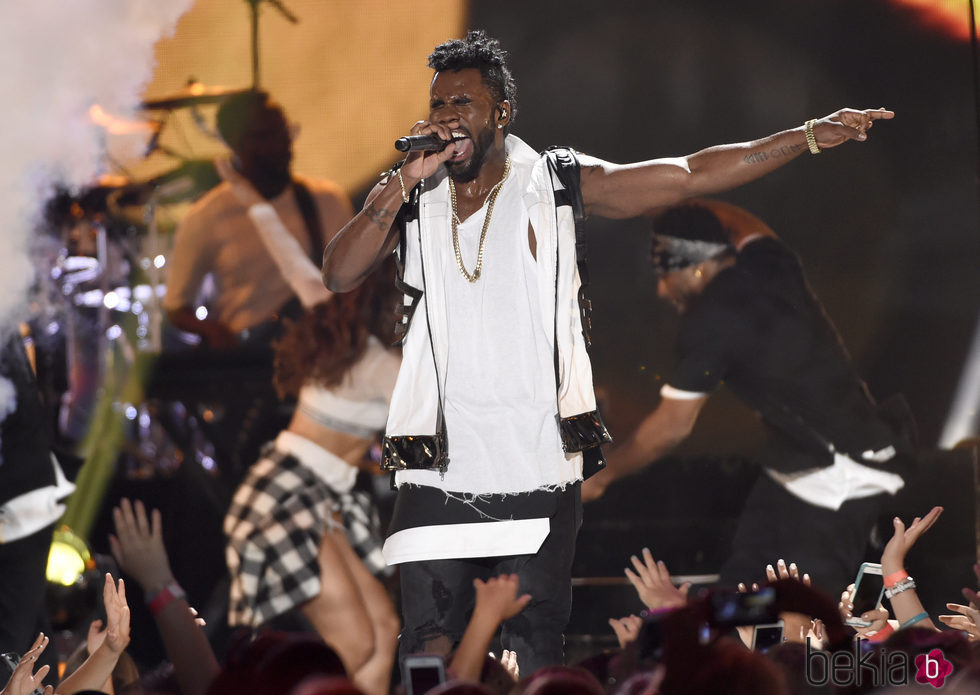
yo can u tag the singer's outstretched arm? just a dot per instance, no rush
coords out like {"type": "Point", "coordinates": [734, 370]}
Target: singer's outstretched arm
{"type": "Point", "coordinates": [626, 190]}
{"type": "Point", "coordinates": [368, 238]}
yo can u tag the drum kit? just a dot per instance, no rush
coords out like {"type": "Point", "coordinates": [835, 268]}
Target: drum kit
{"type": "Point", "coordinates": [100, 283]}
{"type": "Point", "coordinates": [97, 305]}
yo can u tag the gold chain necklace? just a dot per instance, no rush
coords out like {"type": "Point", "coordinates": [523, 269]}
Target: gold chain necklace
{"type": "Point", "coordinates": [491, 199]}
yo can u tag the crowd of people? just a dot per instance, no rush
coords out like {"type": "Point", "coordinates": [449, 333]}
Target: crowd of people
{"type": "Point", "coordinates": [471, 257]}
{"type": "Point", "coordinates": [683, 642]}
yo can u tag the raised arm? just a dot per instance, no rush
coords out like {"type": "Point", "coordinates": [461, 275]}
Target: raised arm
{"type": "Point", "coordinates": [368, 238]}
{"type": "Point", "coordinates": [628, 190]}
{"type": "Point", "coordinates": [97, 668]}
{"type": "Point", "coordinates": [904, 600]}
{"type": "Point", "coordinates": [496, 601]}
{"type": "Point", "coordinates": [138, 548]}
{"type": "Point", "coordinates": [293, 263]}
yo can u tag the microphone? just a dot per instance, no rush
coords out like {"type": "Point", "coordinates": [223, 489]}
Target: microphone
{"type": "Point", "coordinates": [415, 143]}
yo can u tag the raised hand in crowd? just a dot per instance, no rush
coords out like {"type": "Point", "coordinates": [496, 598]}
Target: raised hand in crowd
{"type": "Point", "coordinates": [878, 617]}
{"type": "Point", "coordinates": [899, 587]}
{"type": "Point", "coordinates": [138, 548]}
{"type": "Point", "coordinates": [24, 680]}
{"type": "Point", "coordinates": [508, 659]}
{"type": "Point", "coordinates": [796, 626]}
{"type": "Point", "coordinates": [98, 667]}
{"type": "Point", "coordinates": [652, 583]}
{"type": "Point", "coordinates": [627, 629]}
{"type": "Point", "coordinates": [745, 632]}
{"type": "Point", "coordinates": [967, 620]}
{"type": "Point", "coordinates": [496, 601]}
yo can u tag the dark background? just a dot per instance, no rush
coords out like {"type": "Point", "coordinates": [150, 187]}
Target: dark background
{"type": "Point", "coordinates": [887, 229]}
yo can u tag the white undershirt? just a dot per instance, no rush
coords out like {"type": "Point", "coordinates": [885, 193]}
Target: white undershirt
{"type": "Point", "coordinates": [829, 487]}
{"type": "Point", "coordinates": [500, 396]}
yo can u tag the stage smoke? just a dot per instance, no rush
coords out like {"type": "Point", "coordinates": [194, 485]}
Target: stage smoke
{"type": "Point", "coordinates": [59, 60]}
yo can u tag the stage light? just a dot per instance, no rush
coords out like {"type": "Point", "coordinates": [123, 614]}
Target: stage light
{"type": "Point", "coordinates": [951, 17]}
{"type": "Point", "coordinates": [68, 559]}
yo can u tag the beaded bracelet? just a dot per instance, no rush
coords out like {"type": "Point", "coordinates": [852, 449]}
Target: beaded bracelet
{"type": "Point", "coordinates": [904, 585]}
{"type": "Point", "coordinates": [913, 620]}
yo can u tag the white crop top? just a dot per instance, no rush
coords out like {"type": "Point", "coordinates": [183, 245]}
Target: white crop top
{"type": "Point", "coordinates": [358, 405]}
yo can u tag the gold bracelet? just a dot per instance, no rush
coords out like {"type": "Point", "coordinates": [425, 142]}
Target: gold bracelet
{"type": "Point", "coordinates": [402, 184]}
{"type": "Point", "coordinates": [811, 141]}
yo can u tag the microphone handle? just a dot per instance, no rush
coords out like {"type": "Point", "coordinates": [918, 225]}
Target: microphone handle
{"type": "Point", "coordinates": [414, 143]}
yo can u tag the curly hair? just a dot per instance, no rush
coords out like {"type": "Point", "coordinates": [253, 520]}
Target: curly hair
{"type": "Point", "coordinates": [481, 52]}
{"type": "Point", "coordinates": [331, 337]}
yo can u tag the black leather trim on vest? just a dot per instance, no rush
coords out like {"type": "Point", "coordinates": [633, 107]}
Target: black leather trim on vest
{"type": "Point", "coordinates": [415, 452]}
{"type": "Point", "coordinates": [407, 213]}
{"type": "Point", "coordinates": [583, 431]}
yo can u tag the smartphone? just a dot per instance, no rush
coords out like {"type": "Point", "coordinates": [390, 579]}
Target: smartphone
{"type": "Point", "coordinates": [766, 636]}
{"type": "Point", "coordinates": [869, 589]}
{"type": "Point", "coordinates": [733, 609]}
{"type": "Point", "coordinates": [422, 672]}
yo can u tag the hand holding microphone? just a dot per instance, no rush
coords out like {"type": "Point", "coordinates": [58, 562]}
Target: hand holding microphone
{"type": "Point", "coordinates": [427, 148]}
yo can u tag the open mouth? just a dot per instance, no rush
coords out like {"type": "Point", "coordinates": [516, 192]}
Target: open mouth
{"type": "Point", "coordinates": [463, 145]}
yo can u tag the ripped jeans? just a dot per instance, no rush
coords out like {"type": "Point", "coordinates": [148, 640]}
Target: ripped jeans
{"type": "Point", "coordinates": [438, 595]}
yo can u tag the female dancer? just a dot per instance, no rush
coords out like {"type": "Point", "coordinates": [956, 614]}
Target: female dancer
{"type": "Point", "coordinates": [293, 521]}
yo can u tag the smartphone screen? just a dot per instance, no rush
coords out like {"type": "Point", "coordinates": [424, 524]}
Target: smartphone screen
{"type": "Point", "coordinates": [731, 609]}
{"type": "Point", "coordinates": [868, 589]}
{"type": "Point", "coordinates": [767, 636]}
{"type": "Point", "coordinates": [423, 673]}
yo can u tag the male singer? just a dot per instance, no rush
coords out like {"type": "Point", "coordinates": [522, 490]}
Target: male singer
{"type": "Point", "coordinates": [493, 412]}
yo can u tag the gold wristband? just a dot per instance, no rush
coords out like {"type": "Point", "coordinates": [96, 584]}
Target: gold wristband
{"type": "Point", "coordinates": [401, 183]}
{"type": "Point", "coordinates": [811, 141]}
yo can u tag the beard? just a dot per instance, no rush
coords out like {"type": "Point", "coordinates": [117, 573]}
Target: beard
{"type": "Point", "coordinates": [463, 172]}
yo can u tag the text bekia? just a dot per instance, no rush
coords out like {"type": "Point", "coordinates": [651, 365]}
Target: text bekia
{"type": "Point", "coordinates": [862, 666]}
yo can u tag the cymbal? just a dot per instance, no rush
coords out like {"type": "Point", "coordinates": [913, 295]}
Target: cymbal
{"type": "Point", "coordinates": [193, 95]}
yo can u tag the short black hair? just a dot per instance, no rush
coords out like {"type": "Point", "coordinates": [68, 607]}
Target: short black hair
{"type": "Point", "coordinates": [238, 111]}
{"type": "Point", "coordinates": [693, 222]}
{"type": "Point", "coordinates": [481, 52]}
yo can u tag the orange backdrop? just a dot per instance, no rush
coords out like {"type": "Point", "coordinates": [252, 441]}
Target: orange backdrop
{"type": "Point", "coordinates": [351, 73]}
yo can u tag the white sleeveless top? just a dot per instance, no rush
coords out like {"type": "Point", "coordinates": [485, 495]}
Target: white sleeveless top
{"type": "Point", "coordinates": [500, 401]}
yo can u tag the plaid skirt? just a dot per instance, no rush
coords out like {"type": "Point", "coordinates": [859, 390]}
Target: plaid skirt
{"type": "Point", "coordinates": [274, 526]}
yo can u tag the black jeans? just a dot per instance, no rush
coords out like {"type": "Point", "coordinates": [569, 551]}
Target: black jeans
{"type": "Point", "coordinates": [438, 595]}
{"type": "Point", "coordinates": [826, 544]}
